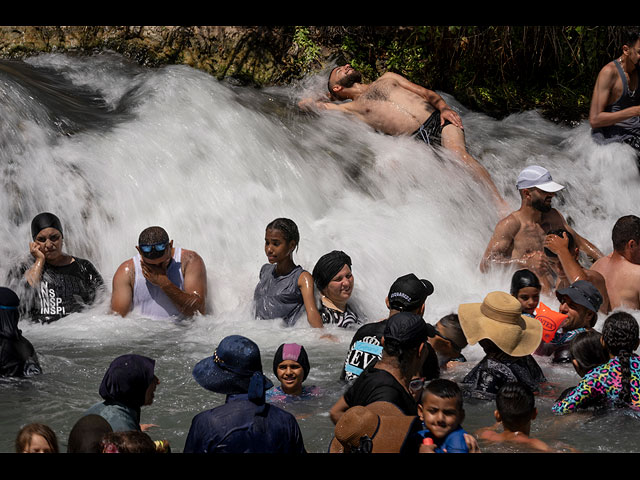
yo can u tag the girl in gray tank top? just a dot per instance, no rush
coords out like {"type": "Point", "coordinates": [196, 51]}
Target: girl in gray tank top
{"type": "Point", "coordinates": [278, 293]}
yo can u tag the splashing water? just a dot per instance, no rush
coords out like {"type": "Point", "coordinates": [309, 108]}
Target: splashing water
{"type": "Point", "coordinates": [112, 148]}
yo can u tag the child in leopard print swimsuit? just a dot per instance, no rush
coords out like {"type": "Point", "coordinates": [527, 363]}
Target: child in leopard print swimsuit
{"type": "Point", "coordinates": [618, 380]}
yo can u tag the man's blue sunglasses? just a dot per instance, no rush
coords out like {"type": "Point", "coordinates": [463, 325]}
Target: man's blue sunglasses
{"type": "Point", "coordinates": [158, 247]}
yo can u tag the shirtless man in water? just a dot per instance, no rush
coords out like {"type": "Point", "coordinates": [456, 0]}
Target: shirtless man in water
{"type": "Point", "coordinates": [621, 268]}
{"type": "Point", "coordinates": [519, 238]}
{"type": "Point", "coordinates": [395, 106]}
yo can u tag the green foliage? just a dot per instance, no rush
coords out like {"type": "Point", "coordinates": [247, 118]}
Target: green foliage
{"type": "Point", "coordinates": [308, 50]}
{"type": "Point", "coordinates": [495, 69]}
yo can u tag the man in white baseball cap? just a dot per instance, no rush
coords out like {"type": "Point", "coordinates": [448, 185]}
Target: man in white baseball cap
{"type": "Point", "coordinates": [535, 176]}
{"type": "Point", "coordinates": [518, 239]}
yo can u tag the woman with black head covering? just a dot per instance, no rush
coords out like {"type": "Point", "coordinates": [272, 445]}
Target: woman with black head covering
{"type": "Point", "coordinates": [334, 279]}
{"type": "Point", "coordinates": [17, 355]}
{"type": "Point", "coordinates": [57, 283]}
{"type": "Point", "coordinates": [128, 384]}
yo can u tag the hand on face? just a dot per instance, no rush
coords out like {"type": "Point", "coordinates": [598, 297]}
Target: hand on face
{"type": "Point", "coordinates": [156, 273]}
{"type": "Point", "coordinates": [36, 251]}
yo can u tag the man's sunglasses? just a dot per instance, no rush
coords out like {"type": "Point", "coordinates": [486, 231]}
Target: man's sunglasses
{"type": "Point", "coordinates": [153, 250]}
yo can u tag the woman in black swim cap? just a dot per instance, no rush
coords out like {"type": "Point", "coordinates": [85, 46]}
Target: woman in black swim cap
{"type": "Point", "coordinates": [60, 283]}
{"type": "Point", "coordinates": [525, 286]}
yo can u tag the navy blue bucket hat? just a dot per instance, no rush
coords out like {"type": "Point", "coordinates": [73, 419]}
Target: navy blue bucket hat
{"type": "Point", "coordinates": [235, 367]}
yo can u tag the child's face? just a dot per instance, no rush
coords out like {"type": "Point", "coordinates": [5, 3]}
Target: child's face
{"type": "Point", "coordinates": [38, 444]}
{"type": "Point", "coordinates": [440, 415]}
{"type": "Point", "coordinates": [291, 375]}
{"type": "Point", "coordinates": [276, 246]}
{"type": "Point", "coordinates": [529, 298]}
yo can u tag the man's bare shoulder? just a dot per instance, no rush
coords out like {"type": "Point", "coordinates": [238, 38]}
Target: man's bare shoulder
{"type": "Point", "coordinates": [125, 266]}
{"type": "Point", "coordinates": [190, 257]}
{"type": "Point", "coordinates": [601, 264]}
{"type": "Point", "coordinates": [510, 223]}
{"type": "Point", "coordinates": [126, 270]}
{"type": "Point", "coordinates": [608, 74]}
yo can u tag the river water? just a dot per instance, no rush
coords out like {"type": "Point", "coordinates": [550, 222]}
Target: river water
{"type": "Point", "coordinates": [112, 148]}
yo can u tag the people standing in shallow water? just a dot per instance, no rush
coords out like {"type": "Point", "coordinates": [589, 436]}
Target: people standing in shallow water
{"type": "Point", "coordinates": [618, 380]}
{"type": "Point", "coordinates": [291, 367]}
{"type": "Point", "coordinates": [128, 384]}
{"type": "Point", "coordinates": [162, 281]}
{"type": "Point", "coordinates": [284, 289]}
{"type": "Point", "coordinates": [245, 422]}
{"type": "Point", "coordinates": [333, 276]}
{"type": "Point", "coordinates": [508, 338]}
{"type": "Point", "coordinates": [18, 358]}
{"type": "Point", "coordinates": [518, 239]}
{"type": "Point", "coordinates": [408, 293]}
{"type": "Point", "coordinates": [57, 284]}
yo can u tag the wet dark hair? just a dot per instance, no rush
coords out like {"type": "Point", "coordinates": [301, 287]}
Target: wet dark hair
{"type": "Point", "coordinates": [620, 336]}
{"type": "Point", "coordinates": [288, 228]}
{"type": "Point", "coordinates": [630, 36]}
{"type": "Point", "coordinates": [454, 333]}
{"type": "Point", "coordinates": [515, 403]}
{"type": "Point", "coordinates": [403, 354]}
{"type": "Point", "coordinates": [625, 229]}
{"type": "Point", "coordinates": [151, 235]}
{"type": "Point", "coordinates": [587, 350]}
{"type": "Point", "coordinates": [561, 232]}
{"type": "Point", "coordinates": [522, 279]}
{"type": "Point", "coordinates": [329, 84]}
{"type": "Point", "coordinates": [444, 388]}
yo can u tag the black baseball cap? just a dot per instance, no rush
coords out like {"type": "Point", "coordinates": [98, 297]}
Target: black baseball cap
{"type": "Point", "coordinates": [409, 292]}
{"type": "Point", "coordinates": [408, 329]}
{"type": "Point", "coordinates": [583, 293]}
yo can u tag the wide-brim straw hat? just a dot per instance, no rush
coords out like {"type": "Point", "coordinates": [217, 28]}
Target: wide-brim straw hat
{"type": "Point", "coordinates": [384, 423]}
{"type": "Point", "coordinates": [499, 318]}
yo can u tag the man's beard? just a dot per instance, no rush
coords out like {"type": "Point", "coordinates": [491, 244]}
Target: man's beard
{"type": "Point", "coordinates": [541, 206]}
{"type": "Point", "coordinates": [350, 79]}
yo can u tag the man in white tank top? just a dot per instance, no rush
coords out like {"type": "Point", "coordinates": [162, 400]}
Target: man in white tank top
{"type": "Point", "coordinates": [162, 281]}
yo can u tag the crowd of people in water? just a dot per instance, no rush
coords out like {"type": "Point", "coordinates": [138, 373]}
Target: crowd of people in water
{"type": "Point", "coordinates": [396, 396]}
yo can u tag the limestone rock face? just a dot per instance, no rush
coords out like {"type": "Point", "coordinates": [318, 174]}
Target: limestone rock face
{"type": "Point", "coordinates": [254, 55]}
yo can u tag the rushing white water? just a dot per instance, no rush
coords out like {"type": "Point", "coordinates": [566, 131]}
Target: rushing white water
{"type": "Point", "coordinates": [112, 148]}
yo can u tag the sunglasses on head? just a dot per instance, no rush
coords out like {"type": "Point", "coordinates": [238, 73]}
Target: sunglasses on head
{"type": "Point", "coordinates": [153, 250]}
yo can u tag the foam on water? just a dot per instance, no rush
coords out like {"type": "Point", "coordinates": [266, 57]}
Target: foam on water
{"type": "Point", "coordinates": [112, 148]}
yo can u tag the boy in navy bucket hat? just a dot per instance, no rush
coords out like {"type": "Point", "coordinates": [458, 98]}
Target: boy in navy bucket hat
{"type": "Point", "coordinates": [245, 423]}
